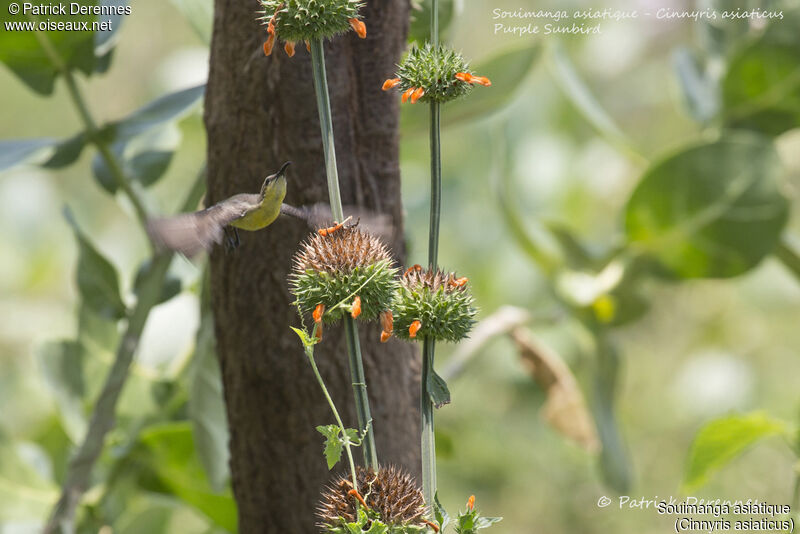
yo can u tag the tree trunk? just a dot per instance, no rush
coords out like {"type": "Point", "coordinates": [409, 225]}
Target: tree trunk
{"type": "Point", "coordinates": [259, 113]}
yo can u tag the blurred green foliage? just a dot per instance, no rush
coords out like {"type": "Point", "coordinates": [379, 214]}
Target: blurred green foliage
{"type": "Point", "coordinates": [551, 203]}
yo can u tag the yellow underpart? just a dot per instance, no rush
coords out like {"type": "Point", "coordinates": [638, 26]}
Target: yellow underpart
{"type": "Point", "coordinates": [268, 210]}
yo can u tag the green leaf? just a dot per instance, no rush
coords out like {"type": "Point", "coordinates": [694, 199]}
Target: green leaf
{"type": "Point", "coordinates": [440, 513]}
{"type": "Point", "coordinates": [700, 92]}
{"type": "Point", "coordinates": [98, 283]}
{"type": "Point", "coordinates": [722, 440]}
{"type": "Point", "coordinates": [333, 444]}
{"type": "Point", "coordinates": [66, 152]}
{"type": "Point", "coordinates": [17, 151]}
{"type": "Point", "coordinates": [761, 89]}
{"type": "Point", "coordinates": [171, 287]}
{"type": "Point", "coordinates": [507, 70]}
{"type": "Point", "coordinates": [712, 209]}
{"type": "Point", "coordinates": [305, 339]}
{"type": "Point", "coordinates": [63, 369]}
{"type": "Point", "coordinates": [581, 97]}
{"type": "Point", "coordinates": [106, 40]}
{"type": "Point", "coordinates": [486, 522]}
{"type": "Point", "coordinates": [437, 390]}
{"type": "Point", "coordinates": [24, 54]}
{"type": "Point", "coordinates": [206, 403]}
{"type": "Point", "coordinates": [168, 452]}
{"type": "Point", "coordinates": [200, 14]}
{"type": "Point", "coordinates": [168, 108]}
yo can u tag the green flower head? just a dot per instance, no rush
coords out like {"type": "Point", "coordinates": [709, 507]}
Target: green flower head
{"type": "Point", "coordinates": [432, 304]}
{"type": "Point", "coordinates": [434, 74]}
{"type": "Point", "coordinates": [343, 271]}
{"type": "Point", "coordinates": [308, 20]}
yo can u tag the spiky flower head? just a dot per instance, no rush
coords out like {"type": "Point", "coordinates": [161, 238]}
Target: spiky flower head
{"type": "Point", "coordinates": [433, 304]}
{"type": "Point", "coordinates": [392, 497]}
{"type": "Point", "coordinates": [307, 20]}
{"type": "Point", "coordinates": [434, 74]}
{"type": "Point", "coordinates": [343, 271]}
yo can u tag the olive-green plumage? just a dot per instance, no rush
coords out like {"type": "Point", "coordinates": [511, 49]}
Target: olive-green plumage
{"type": "Point", "coordinates": [189, 233]}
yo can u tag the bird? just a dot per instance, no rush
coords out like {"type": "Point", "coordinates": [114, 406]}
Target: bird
{"type": "Point", "coordinates": [191, 233]}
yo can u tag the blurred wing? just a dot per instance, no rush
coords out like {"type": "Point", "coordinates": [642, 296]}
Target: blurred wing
{"type": "Point", "coordinates": [319, 216]}
{"type": "Point", "coordinates": [190, 233]}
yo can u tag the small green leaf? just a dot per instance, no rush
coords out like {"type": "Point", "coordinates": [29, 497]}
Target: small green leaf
{"type": "Point", "coordinates": [711, 210]}
{"type": "Point", "coordinates": [486, 522]}
{"type": "Point", "coordinates": [440, 513]}
{"type": "Point", "coordinates": [17, 151]}
{"type": "Point", "coordinates": [106, 40]}
{"type": "Point", "coordinates": [170, 288]}
{"type": "Point", "coordinates": [437, 389]}
{"type": "Point", "coordinates": [333, 444]}
{"type": "Point", "coordinates": [700, 92]}
{"type": "Point", "coordinates": [98, 283]}
{"type": "Point", "coordinates": [66, 152]}
{"type": "Point", "coordinates": [353, 435]}
{"type": "Point", "coordinates": [722, 440]}
{"type": "Point", "coordinates": [305, 339]}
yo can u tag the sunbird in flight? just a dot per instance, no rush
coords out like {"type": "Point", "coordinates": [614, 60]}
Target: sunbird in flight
{"type": "Point", "coordinates": [191, 233]}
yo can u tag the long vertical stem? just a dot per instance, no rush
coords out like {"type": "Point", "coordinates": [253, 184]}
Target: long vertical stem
{"type": "Point", "coordinates": [326, 125]}
{"type": "Point", "coordinates": [360, 391]}
{"type": "Point", "coordinates": [350, 328]}
{"type": "Point", "coordinates": [428, 441]}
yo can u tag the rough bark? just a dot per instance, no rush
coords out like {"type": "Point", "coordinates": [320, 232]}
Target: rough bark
{"type": "Point", "coordinates": [259, 113]}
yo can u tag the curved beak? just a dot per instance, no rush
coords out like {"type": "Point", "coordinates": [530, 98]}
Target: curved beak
{"type": "Point", "coordinates": [282, 169]}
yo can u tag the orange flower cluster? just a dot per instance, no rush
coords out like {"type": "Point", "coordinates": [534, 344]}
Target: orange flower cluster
{"type": "Point", "coordinates": [413, 94]}
{"type": "Point", "coordinates": [358, 26]}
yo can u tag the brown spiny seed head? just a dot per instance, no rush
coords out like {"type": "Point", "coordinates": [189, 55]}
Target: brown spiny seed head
{"type": "Point", "coordinates": [333, 269]}
{"type": "Point", "coordinates": [441, 302]}
{"type": "Point", "coordinates": [391, 493]}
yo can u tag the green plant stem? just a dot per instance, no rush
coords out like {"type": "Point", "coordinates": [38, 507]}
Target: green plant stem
{"type": "Point", "coordinates": [79, 470]}
{"type": "Point", "coordinates": [360, 391]}
{"type": "Point", "coordinates": [428, 438]}
{"type": "Point", "coordinates": [310, 354]}
{"type": "Point", "coordinates": [92, 131]}
{"type": "Point", "coordinates": [365, 425]}
{"type": "Point", "coordinates": [788, 255]}
{"type": "Point", "coordinates": [326, 125]}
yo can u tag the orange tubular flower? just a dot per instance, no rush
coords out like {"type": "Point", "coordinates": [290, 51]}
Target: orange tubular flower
{"type": "Point", "coordinates": [458, 282]}
{"type": "Point", "coordinates": [268, 44]}
{"type": "Point", "coordinates": [483, 80]}
{"type": "Point", "coordinates": [464, 77]}
{"type": "Point", "coordinates": [416, 95]}
{"type": "Point", "coordinates": [407, 94]}
{"type": "Point", "coordinates": [318, 311]}
{"type": "Point", "coordinates": [433, 526]}
{"type": "Point", "coordinates": [387, 324]}
{"type": "Point", "coordinates": [414, 328]}
{"type": "Point", "coordinates": [471, 503]}
{"type": "Point", "coordinates": [289, 48]}
{"type": "Point", "coordinates": [356, 311]}
{"type": "Point", "coordinates": [308, 47]}
{"type": "Point", "coordinates": [390, 83]}
{"type": "Point", "coordinates": [359, 27]}
{"type": "Point", "coordinates": [354, 493]}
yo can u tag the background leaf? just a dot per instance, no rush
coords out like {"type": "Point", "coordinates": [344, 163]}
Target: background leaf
{"type": "Point", "coordinates": [761, 90]}
{"type": "Point", "coordinates": [63, 370]}
{"type": "Point", "coordinates": [711, 210]}
{"type": "Point", "coordinates": [22, 52]}
{"type": "Point", "coordinates": [98, 282]}
{"type": "Point", "coordinates": [722, 440]}
{"type": "Point", "coordinates": [16, 151]}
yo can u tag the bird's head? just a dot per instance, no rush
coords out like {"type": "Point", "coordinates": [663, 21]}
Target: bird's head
{"type": "Point", "coordinates": [275, 184]}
